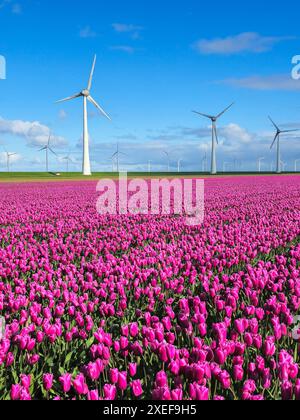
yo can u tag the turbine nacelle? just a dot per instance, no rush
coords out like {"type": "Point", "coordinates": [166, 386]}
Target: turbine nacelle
{"type": "Point", "coordinates": [85, 93]}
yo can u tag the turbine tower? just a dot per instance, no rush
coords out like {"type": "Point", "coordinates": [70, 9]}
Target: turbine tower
{"type": "Point", "coordinates": [277, 139]}
{"type": "Point", "coordinates": [296, 164]}
{"type": "Point", "coordinates": [47, 148]}
{"type": "Point", "coordinates": [85, 94]}
{"type": "Point", "coordinates": [215, 140]}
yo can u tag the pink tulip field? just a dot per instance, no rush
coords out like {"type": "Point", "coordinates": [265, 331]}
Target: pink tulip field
{"type": "Point", "coordinates": [146, 307]}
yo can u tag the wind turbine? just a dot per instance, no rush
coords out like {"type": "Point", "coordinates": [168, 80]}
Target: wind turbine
{"type": "Point", "coordinates": [204, 163]}
{"type": "Point", "coordinates": [8, 156]}
{"type": "Point", "coordinates": [224, 166]}
{"type": "Point", "coordinates": [259, 162]}
{"type": "Point", "coordinates": [296, 164]}
{"type": "Point", "coordinates": [47, 148]}
{"type": "Point", "coordinates": [68, 160]}
{"type": "Point", "coordinates": [277, 138]}
{"type": "Point", "coordinates": [179, 165]}
{"type": "Point", "coordinates": [149, 166]}
{"type": "Point", "coordinates": [85, 94]}
{"type": "Point", "coordinates": [117, 155]}
{"type": "Point", "coordinates": [215, 140]}
{"type": "Point", "coordinates": [168, 157]}
{"type": "Point", "coordinates": [283, 165]}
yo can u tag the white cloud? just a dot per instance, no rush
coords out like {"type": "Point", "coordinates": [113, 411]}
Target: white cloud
{"type": "Point", "coordinates": [273, 82]}
{"type": "Point", "coordinates": [124, 28]}
{"type": "Point", "coordinates": [244, 42]}
{"type": "Point", "coordinates": [62, 114]}
{"type": "Point", "coordinates": [87, 32]}
{"type": "Point", "coordinates": [233, 134]}
{"type": "Point", "coordinates": [123, 48]}
{"type": "Point", "coordinates": [35, 133]}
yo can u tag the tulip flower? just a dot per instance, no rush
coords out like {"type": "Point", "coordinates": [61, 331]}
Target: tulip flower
{"type": "Point", "coordinates": [47, 381]}
{"type": "Point", "coordinates": [66, 382]}
{"type": "Point", "coordinates": [136, 387]}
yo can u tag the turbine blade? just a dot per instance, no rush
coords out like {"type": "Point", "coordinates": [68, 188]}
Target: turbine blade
{"type": "Point", "coordinates": [225, 110]}
{"type": "Point", "coordinates": [275, 125]}
{"type": "Point", "coordinates": [92, 74]}
{"type": "Point", "coordinates": [276, 137]}
{"type": "Point", "coordinates": [99, 107]}
{"type": "Point", "coordinates": [52, 151]}
{"type": "Point", "coordinates": [43, 148]}
{"type": "Point", "coordinates": [203, 115]}
{"type": "Point", "coordinates": [69, 98]}
{"type": "Point", "coordinates": [291, 131]}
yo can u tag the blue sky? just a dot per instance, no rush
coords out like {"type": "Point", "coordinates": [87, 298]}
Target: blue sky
{"type": "Point", "coordinates": [157, 61]}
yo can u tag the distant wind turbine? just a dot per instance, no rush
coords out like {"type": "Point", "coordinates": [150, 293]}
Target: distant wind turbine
{"type": "Point", "coordinates": [85, 94]}
{"type": "Point", "coordinates": [117, 155]}
{"type": "Point", "coordinates": [259, 162]}
{"type": "Point", "coordinates": [47, 148]}
{"type": "Point", "coordinates": [204, 163]}
{"type": "Point", "coordinates": [225, 164]}
{"type": "Point", "coordinates": [283, 165]}
{"type": "Point", "coordinates": [8, 156]}
{"type": "Point", "coordinates": [149, 166]}
{"type": "Point", "coordinates": [179, 165]}
{"type": "Point", "coordinates": [68, 161]}
{"type": "Point", "coordinates": [215, 140]}
{"type": "Point", "coordinates": [296, 164]}
{"type": "Point", "coordinates": [277, 139]}
{"type": "Point", "coordinates": [168, 157]}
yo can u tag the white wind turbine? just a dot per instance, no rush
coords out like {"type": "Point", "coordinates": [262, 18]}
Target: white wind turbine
{"type": "Point", "coordinates": [117, 156]}
{"type": "Point", "coordinates": [85, 94]}
{"type": "Point", "coordinates": [8, 156]}
{"type": "Point", "coordinates": [296, 164]}
{"type": "Point", "coordinates": [225, 164]}
{"type": "Point", "coordinates": [149, 166]}
{"type": "Point", "coordinates": [259, 163]}
{"type": "Point", "coordinates": [277, 138]}
{"type": "Point", "coordinates": [179, 165]}
{"type": "Point", "coordinates": [204, 163]}
{"type": "Point", "coordinates": [168, 158]}
{"type": "Point", "coordinates": [283, 165]}
{"type": "Point", "coordinates": [215, 140]}
{"type": "Point", "coordinates": [68, 161]}
{"type": "Point", "coordinates": [47, 148]}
